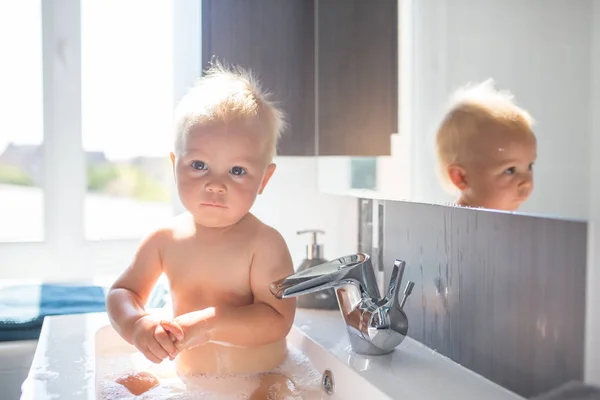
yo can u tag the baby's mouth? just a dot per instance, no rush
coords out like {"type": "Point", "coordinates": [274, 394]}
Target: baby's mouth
{"type": "Point", "coordinates": [215, 205]}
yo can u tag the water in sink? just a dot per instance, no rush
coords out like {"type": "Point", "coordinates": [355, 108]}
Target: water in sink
{"type": "Point", "coordinates": [297, 367]}
{"type": "Point", "coordinates": [115, 357]}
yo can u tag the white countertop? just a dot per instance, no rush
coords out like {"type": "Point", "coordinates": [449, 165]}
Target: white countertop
{"type": "Point", "coordinates": [411, 371]}
{"type": "Point", "coordinates": [64, 362]}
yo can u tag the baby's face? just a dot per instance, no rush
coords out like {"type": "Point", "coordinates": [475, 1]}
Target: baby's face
{"type": "Point", "coordinates": [501, 176]}
{"type": "Point", "coordinates": [219, 171]}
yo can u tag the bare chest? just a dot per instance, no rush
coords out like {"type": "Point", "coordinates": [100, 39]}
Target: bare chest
{"type": "Point", "coordinates": [209, 274]}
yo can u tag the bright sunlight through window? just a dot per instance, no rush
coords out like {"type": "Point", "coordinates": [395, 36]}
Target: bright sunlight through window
{"type": "Point", "coordinates": [127, 102]}
{"type": "Point", "coordinates": [21, 121]}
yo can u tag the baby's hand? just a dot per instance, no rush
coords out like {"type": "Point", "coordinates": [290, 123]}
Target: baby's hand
{"type": "Point", "coordinates": [193, 326]}
{"type": "Point", "coordinates": [150, 338]}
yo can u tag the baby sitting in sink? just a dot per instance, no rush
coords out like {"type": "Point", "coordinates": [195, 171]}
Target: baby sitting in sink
{"type": "Point", "coordinates": [219, 258]}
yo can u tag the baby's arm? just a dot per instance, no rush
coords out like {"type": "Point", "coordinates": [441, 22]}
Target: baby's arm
{"type": "Point", "coordinates": [265, 321]}
{"type": "Point", "coordinates": [127, 296]}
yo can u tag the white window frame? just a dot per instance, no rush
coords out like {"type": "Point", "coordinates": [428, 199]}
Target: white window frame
{"type": "Point", "coordinates": [65, 254]}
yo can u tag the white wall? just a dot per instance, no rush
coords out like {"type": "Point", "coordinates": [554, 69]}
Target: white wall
{"type": "Point", "coordinates": [393, 174]}
{"type": "Point", "coordinates": [292, 202]}
{"type": "Point", "coordinates": [538, 49]}
{"type": "Point", "coordinates": [592, 370]}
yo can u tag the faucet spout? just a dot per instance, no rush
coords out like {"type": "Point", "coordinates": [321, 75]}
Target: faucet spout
{"type": "Point", "coordinates": [319, 277]}
{"type": "Point", "coordinates": [354, 269]}
{"type": "Point", "coordinates": [375, 325]}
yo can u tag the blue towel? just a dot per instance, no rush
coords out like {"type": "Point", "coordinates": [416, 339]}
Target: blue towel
{"type": "Point", "coordinates": [23, 307]}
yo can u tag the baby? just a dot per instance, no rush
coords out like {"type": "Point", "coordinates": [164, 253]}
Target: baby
{"type": "Point", "coordinates": [486, 148]}
{"type": "Point", "coordinates": [219, 258]}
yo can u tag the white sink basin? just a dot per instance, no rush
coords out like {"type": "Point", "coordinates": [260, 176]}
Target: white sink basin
{"type": "Point", "coordinates": [347, 383]}
{"type": "Point", "coordinates": [71, 361]}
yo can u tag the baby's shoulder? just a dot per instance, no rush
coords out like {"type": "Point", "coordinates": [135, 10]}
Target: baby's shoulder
{"type": "Point", "coordinates": [266, 236]}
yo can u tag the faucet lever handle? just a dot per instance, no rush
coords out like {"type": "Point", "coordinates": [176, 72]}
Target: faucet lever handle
{"type": "Point", "coordinates": [395, 281]}
{"type": "Point", "coordinates": [407, 292]}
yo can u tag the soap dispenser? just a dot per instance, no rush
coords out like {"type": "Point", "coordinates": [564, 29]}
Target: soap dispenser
{"type": "Point", "coordinates": [323, 299]}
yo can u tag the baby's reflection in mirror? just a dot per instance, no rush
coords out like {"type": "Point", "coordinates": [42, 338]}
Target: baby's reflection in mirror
{"type": "Point", "coordinates": [486, 148]}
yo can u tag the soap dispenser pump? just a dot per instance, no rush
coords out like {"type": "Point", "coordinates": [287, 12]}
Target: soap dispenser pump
{"type": "Point", "coordinates": [323, 299]}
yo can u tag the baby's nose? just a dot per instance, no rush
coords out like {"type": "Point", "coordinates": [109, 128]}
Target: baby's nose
{"type": "Point", "coordinates": [527, 180]}
{"type": "Point", "coordinates": [526, 185]}
{"type": "Point", "coordinates": [216, 187]}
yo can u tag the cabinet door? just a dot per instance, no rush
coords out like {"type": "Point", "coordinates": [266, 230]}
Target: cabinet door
{"type": "Point", "coordinates": [357, 84]}
{"type": "Point", "coordinates": [275, 39]}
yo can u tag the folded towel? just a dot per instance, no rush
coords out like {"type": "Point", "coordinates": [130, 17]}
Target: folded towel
{"type": "Point", "coordinates": [23, 307]}
{"type": "Point", "coordinates": [571, 391]}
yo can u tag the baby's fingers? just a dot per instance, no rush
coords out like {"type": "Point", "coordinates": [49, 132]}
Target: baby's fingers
{"type": "Point", "coordinates": [173, 328]}
{"type": "Point", "coordinates": [163, 339]}
{"type": "Point", "coordinates": [149, 354]}
{"type": "Point", "coordinates": [156, 349]}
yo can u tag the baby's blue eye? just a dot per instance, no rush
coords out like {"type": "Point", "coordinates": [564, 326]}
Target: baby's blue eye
{"type": "Point", "coordinates": [510, 171]}
{"type": "Point", "coordinates": [238, 171]}
{"type": "Point", "coordinates": [199, 165]}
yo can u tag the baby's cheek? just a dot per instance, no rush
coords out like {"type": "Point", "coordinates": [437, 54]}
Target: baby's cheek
{"type": "Point", "coordinates": [187, 188]}
{"type": "Point", "coordinates": [246, 193]}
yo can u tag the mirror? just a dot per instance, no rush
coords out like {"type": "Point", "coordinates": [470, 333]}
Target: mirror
{"type": "Point", "coordinates": [538, 51]}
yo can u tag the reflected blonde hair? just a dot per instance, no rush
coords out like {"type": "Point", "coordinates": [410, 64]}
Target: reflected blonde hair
{"type": "Point", "coordinates": [225, 95]}
{"type": "Point", "coordinates": [473, 110]}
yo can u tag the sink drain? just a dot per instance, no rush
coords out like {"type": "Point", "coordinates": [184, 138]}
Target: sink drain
{"type": "Point", "coordinates": [327, 382]}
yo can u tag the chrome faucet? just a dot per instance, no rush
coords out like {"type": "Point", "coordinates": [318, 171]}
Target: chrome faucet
{"type": "Point", "coordinates": [375, 325]}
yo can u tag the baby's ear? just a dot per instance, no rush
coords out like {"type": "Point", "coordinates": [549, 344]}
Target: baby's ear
{"type": "Point", "coordinates": [172, 157]}
{"type": "Point", "coordinates": [267, 177]}
{"type": "Point", "coordinates": [457, 176]}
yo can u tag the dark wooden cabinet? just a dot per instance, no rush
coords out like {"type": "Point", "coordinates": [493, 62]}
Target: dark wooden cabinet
{"type": "Point", "coordinates": [332, 64]}
{"type": "Point", "coordinates": [357, 76]}
{"type": "Point", "coordinates": [275, 39]}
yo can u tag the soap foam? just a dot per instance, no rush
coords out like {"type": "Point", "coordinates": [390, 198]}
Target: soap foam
{"type": "Point", "coordinates": [297, 367]}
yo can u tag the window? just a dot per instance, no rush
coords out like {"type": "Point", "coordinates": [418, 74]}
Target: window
{"type": "Point", "coordinates": [127, 103]}
{"type": "Point", "coordinates": [99, 79]}
{"type": "Point", "coordinates": [21, 115]}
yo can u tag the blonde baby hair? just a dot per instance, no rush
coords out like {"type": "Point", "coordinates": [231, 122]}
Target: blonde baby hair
{"type": "Point", "coordinates": [475, 109]}
{"type": "Point", "coordinates": [224, 95]}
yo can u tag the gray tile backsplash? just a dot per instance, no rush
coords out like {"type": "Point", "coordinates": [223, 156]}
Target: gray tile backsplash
{"type": "Point", "coordinates": [501, 294]}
